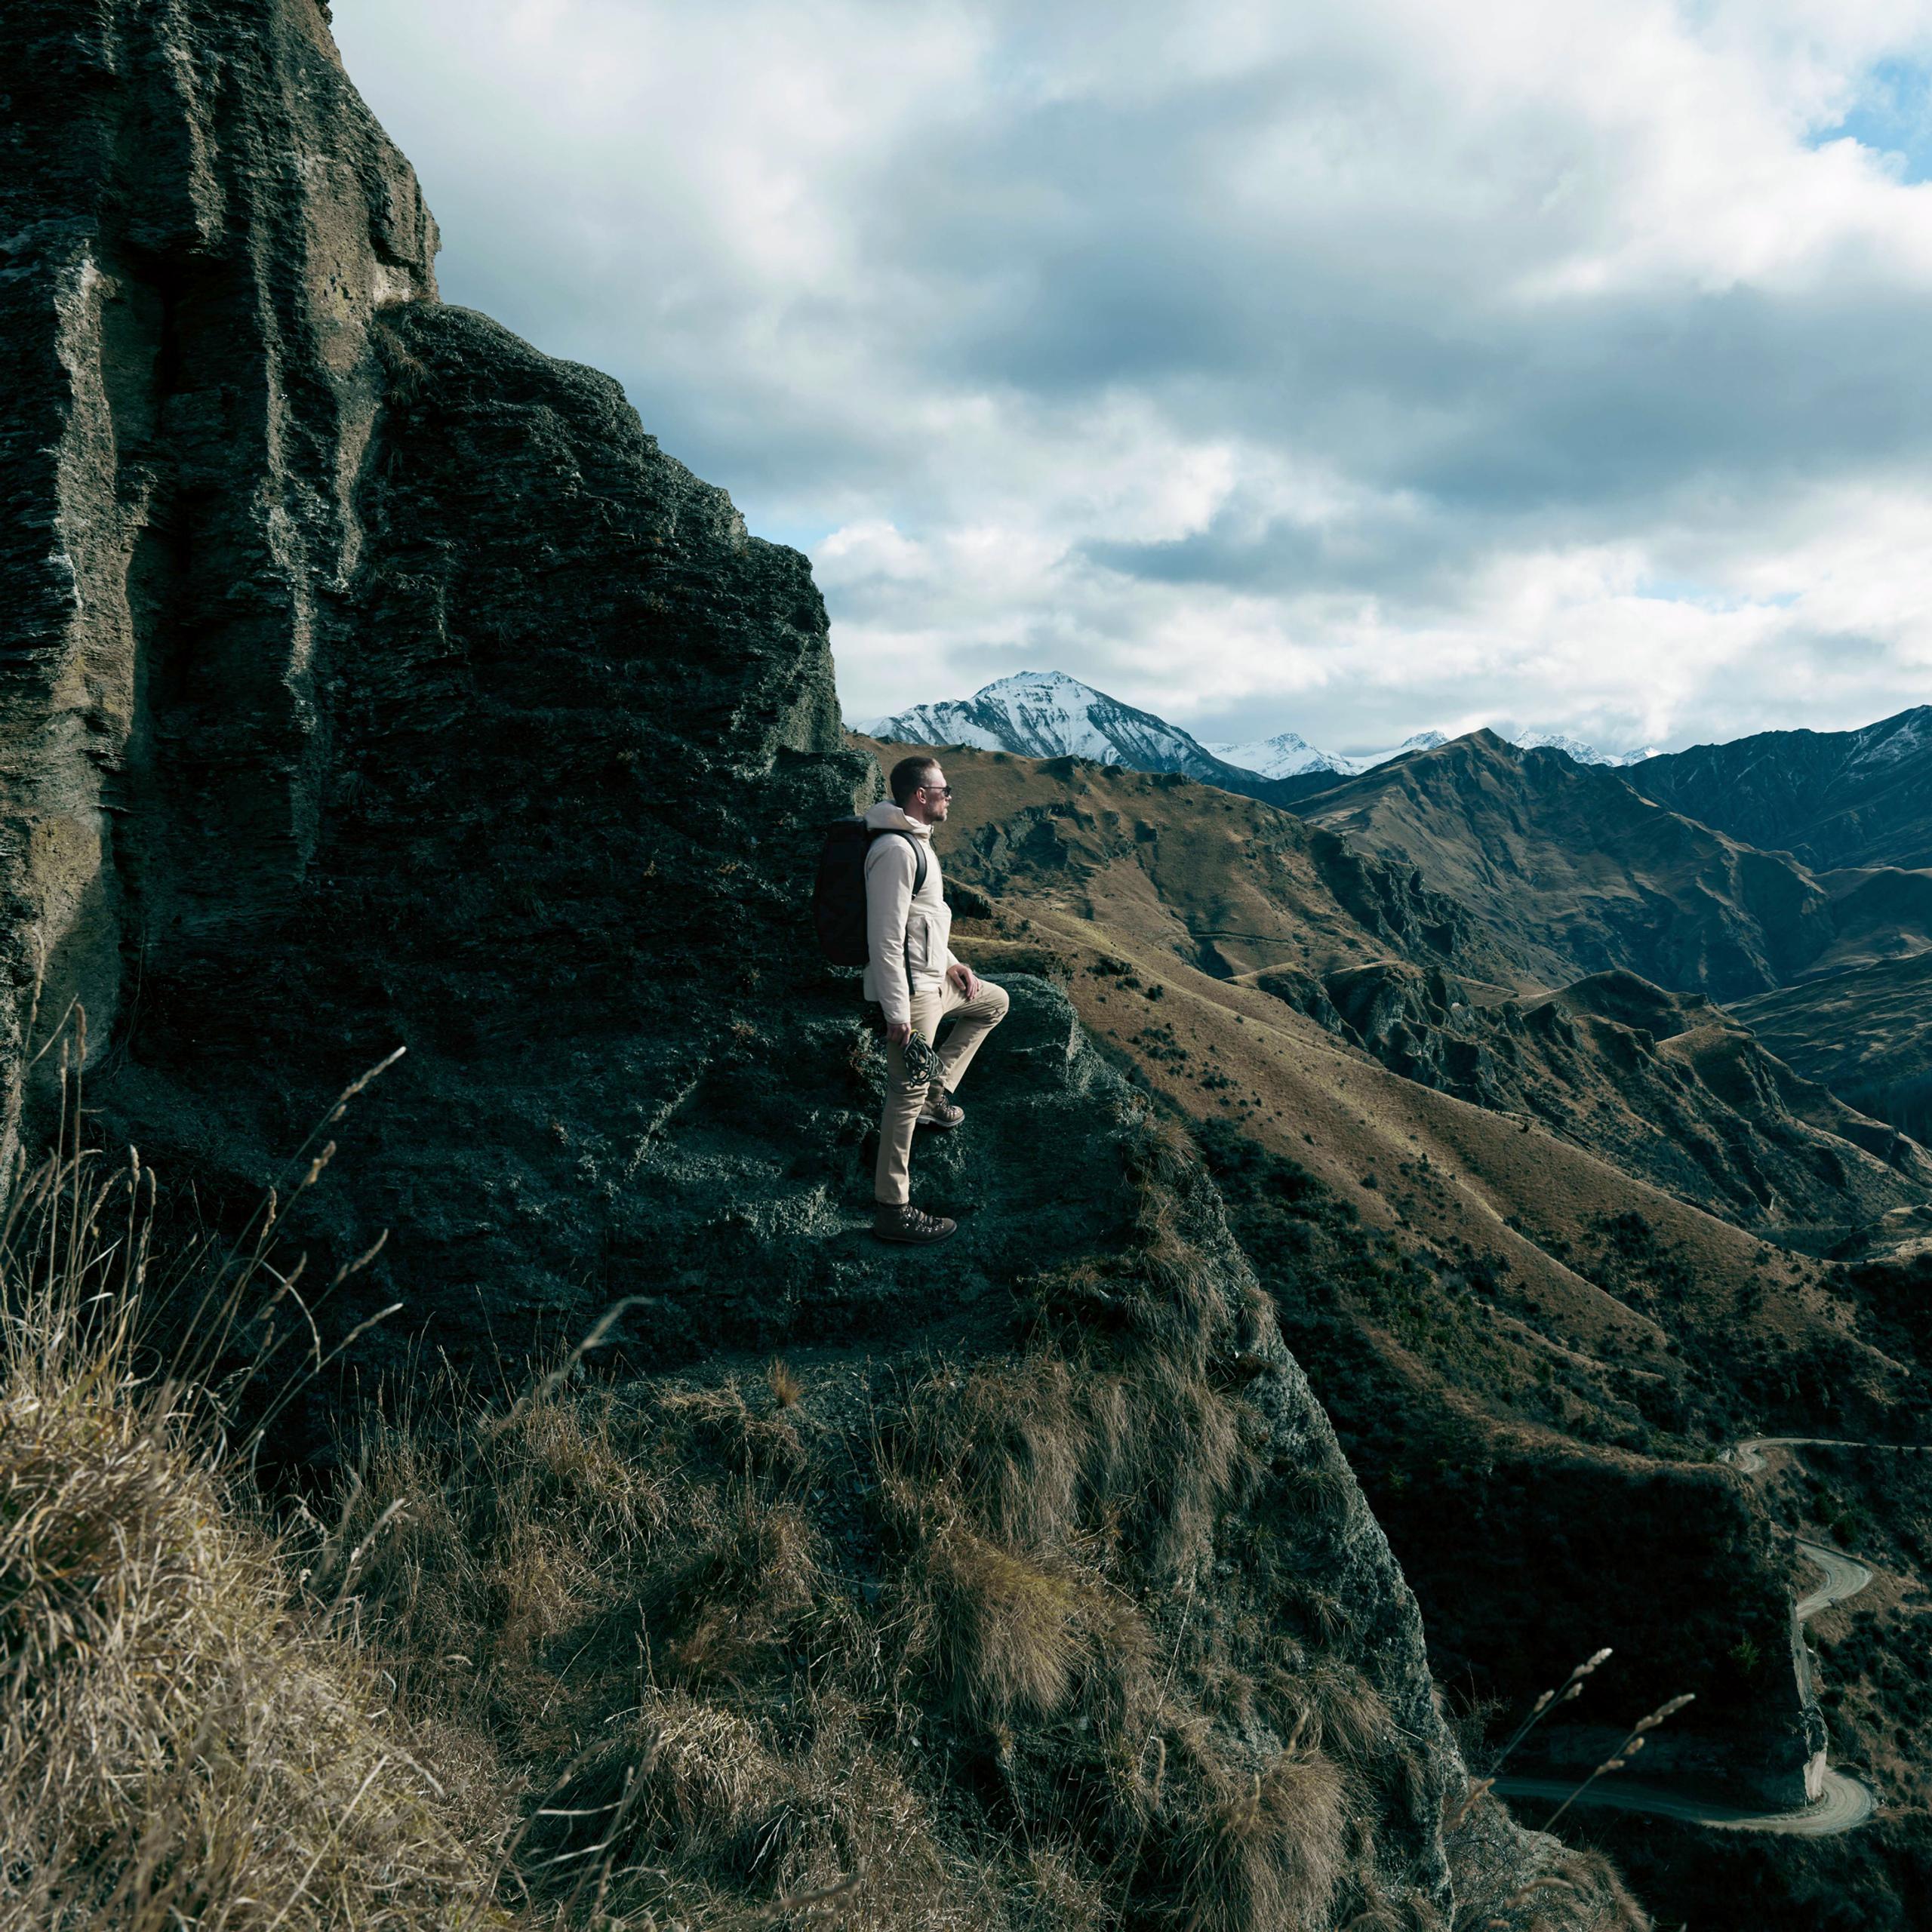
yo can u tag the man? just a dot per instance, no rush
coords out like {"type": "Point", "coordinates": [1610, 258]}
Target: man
{"type": "Point", "coordinates": [912, 974]}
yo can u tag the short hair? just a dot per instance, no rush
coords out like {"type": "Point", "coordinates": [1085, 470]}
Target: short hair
{"type": "Point", "coordinates": [908, 775]}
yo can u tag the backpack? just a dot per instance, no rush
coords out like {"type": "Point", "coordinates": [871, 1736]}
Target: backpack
{"type": "Point", "coordinates": [838, 895]}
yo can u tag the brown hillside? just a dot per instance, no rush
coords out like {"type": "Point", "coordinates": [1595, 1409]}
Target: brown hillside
{"type": "Point", "coordinates": [1574, 872]}
{"type": "Point", "coordinates": [1664, 1087]}
{"type": "Point", "coordinates": [1519, 1339]}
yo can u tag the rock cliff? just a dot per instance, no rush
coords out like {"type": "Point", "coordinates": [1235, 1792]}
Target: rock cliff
{"type": "Point", "coordinates": [372, 680]}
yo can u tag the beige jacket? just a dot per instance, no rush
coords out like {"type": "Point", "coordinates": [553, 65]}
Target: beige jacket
{"type": "Point", "coordinates": [901, 930]}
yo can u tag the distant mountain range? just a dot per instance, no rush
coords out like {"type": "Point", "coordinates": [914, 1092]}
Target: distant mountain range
{"type": "Point", "coordinates": [1575, 868]}
{"type": "Point", "coordinates": [1047, 714]}
{"type": "Point", "coordinates": [1830, 797]}
{"type": "Point", "coordinates": [1291, 755]}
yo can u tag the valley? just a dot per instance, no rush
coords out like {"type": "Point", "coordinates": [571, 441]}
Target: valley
{"type": "Point", "coordinates": [1429, 1216]}
{"type": "Point", "coordinates": [1548, 1251]}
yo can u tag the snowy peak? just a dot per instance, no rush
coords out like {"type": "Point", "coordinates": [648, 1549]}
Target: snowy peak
{"type": "Point", "coordinates": [1046, 714]}
{"type": "Point", "coordinates": [1584, 754]}
{"type": "Point", "coordinates": [1287, 756]}
{"type": "Point", "coordinates": [1893, 740]}
{"type": "Point", "coordinates": [1418, 741]}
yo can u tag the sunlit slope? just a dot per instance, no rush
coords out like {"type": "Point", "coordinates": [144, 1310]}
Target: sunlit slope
{"type": "Point", "coordinates": [1573, 870]}
{"type": "Point", "coordinates": [1275, 924]}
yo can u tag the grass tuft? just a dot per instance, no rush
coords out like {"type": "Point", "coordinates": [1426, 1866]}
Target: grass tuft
{"type": "Point", "coordinates": [186, 1739]}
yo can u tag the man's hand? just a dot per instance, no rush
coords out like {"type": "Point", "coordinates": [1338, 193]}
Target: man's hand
{"type": "Point", "coordinates": [965, 978]}
{"type": "Point", "coordinates": [898, 1031]}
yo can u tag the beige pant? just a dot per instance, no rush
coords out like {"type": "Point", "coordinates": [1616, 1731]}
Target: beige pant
{"type": "Point", "coordinates": [972, 1020]}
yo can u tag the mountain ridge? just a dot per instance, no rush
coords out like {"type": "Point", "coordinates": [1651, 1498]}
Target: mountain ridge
{"type": "Point", "coordinates": [1049, 713]}
{"type": "Point", "coordinates": [1831, 799]}
{"type": "Point", "coordinates": [1576, 870]}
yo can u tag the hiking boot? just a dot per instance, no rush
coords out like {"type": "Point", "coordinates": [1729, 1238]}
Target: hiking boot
{"type": "Point", "coordinates": [907, 1225]}
{"type": "Point", "coordinates": [941, 1111]}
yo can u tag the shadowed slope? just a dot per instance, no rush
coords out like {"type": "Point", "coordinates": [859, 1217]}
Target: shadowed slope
{"type": "Point", "coordinates": [1866, 1035]}
{"type": "Point", "coordinates": [1574, 871]}
{"type": "Point", "coordinates": [1831, 798]}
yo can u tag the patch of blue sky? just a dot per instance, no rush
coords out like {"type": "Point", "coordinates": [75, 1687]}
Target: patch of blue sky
{"type": "Point", "coordinates": [1893, 117]}
{"type": "Point", "coordinates": [805, 537]}
{"type": "Point", "coordinates": [1708, 596]}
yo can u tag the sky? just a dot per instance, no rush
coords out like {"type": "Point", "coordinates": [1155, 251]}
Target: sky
{"type": "Point", "coordinates": [1347, 370]}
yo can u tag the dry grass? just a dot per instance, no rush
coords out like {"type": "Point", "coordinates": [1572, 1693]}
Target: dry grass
{"type": "Point", "coordinates": [1009, 1633]}
{"type": "Point", "coordinates": [970, 1647]}
{"type": "Point", "coordinates": [1270, 1850]}
{"type": "Point", "coordinates": [186, 1741]}
{"type": "Point", "coordinates": [627, 1590]}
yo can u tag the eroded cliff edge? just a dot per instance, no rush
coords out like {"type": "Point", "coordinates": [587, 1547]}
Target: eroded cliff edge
{"type": "Point", "coordinates": [372, 680]}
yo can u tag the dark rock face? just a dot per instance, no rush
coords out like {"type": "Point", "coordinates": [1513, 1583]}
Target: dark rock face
{"type": "Point", "coordinates": [1832, 798]}
{"type": "Point", "coordinates": [374, 680]}
{"type": "Point", "coordinates": [381, 683]}
{"type": "Point", "coordinates": [192, 385]}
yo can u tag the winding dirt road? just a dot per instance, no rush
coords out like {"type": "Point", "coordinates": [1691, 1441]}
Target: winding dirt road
{"type": "Point", "coordinates": [1843, 1803]}
{"type": "Point", "coordinates": [1747, 1457]}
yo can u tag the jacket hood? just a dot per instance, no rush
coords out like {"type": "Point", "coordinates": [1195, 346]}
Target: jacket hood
{"type": "Point", "coordinates": [886, 817]}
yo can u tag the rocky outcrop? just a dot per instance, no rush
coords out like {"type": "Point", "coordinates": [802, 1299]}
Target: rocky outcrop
{"type": "Point", "coordinates": [199, 251]}
{"type": "Point", "coordinates": [377, 682]}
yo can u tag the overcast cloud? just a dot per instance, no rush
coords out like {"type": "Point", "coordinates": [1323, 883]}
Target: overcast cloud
{"type": "Point", "coordinates": [1270, 366]}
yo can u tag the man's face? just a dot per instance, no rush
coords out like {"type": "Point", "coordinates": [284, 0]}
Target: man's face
{"type": "Point", "coordinates": [934, 797]}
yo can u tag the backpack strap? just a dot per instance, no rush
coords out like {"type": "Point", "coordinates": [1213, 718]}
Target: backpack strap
{"type": "Point", "coordinates": [918, 846]}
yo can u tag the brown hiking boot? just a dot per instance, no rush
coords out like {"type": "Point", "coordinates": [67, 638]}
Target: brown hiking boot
{"type": "Point", "coordinates": [941, 1110]}
{"type": "Point", "coordinates": [907, 1225]}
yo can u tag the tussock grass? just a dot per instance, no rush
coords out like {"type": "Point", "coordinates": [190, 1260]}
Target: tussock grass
{"type": "Point", "coordinates": [701, 1711]}
{"type": "Point", "coordinates": [186, 1739]}
{"type": "Point", "coordinates": [1007, 1632]}
{"type": "Point", "coordinates": [973, 1643]}
{"type": "Point", "coordinates": [1270, 1850]}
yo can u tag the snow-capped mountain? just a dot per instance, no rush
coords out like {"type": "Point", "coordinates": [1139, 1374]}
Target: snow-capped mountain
{"type": "Point", "coordinates": [1419, 741]}
{"type": "Point", "coordinates": [1046, 714]}
{"type": "Point", "coordinates": [1288, 755]}
{"type": "Point", "coordinates": [1557, 741]}
{"type": "Point", "coordinates": [1291, 756]}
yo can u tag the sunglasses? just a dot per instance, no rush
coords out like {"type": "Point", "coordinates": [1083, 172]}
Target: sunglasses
{"type": "Point", "coordinates": [937, 790]}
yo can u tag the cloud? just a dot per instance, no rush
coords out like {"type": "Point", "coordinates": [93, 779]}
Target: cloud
{"type": "Point", "coordinates": [1341, 369]}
